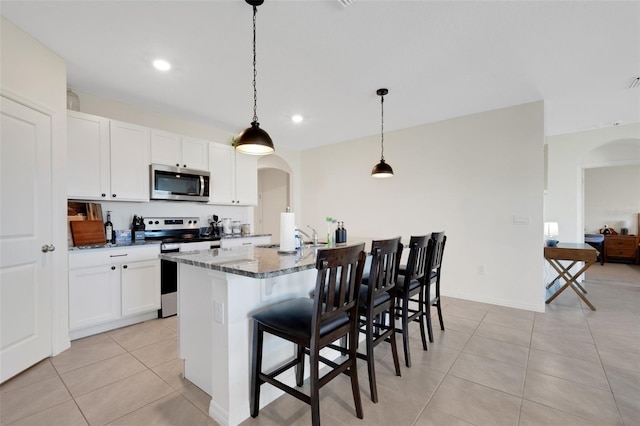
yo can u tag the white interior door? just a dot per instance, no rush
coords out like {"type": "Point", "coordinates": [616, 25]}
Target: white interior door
{"type": "Point", "coordinates": [25, 237]}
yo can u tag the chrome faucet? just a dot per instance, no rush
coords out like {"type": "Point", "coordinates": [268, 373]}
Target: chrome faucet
{"type": "Point", "coordinates": [314, 239]}
{"type": "Point", "coordinates": [302, 242]}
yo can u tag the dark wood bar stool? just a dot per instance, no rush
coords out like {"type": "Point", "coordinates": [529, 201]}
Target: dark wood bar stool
{"type": "Point", "coordinates": [410, 292]}
{"type": "Point", "coordinates": [438, 239]}
{"type": "Point", "coordinates": [377, 303]}
{"type": "Point", "coordinates": [312, 324]}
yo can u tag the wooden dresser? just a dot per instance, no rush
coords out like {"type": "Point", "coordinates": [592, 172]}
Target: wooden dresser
{"type": "Point", "coordinates": [621, 248]}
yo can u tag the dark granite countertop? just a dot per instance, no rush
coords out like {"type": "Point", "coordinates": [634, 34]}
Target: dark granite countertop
{"type": "Point", "coordinates": [250, 261]}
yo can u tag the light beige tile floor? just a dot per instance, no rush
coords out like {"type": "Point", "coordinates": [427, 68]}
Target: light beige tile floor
{"type": "Point", "coordinates": [492, 366]}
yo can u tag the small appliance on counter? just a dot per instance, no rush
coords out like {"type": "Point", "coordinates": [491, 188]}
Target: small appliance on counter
{"type": "Point", "coordinates": [215, 227]}
{"type": "Point", "coordinates": [137, 228]}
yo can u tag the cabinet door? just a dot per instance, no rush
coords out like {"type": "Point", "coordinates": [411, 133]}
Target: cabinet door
{"type": "Point", "coordinates": [94, 296]}
{"type": "Point", "coordinates": [165, 148]}
{"type": "Point", "coordinates": [140, 287]}
{"type": "Point", "coordinates": [221, 159]}
{"type": "Point", "coordinates": [246, 173]}
{"type": "Point", "coordinates": [87, 156]}
{"type": "Point", "coordinates": [130, 155]}
{"type": "Point", "coordinates": [195, 154]}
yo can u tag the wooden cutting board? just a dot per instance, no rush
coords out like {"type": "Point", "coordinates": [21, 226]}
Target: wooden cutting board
{"type": "Point", "coordinates": [87, 233]}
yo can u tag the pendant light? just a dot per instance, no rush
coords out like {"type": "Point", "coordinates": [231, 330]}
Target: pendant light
{"type": "Point", "coordinates": [382, 169]}
{"type": "Point", "coordinates": [253, 140]}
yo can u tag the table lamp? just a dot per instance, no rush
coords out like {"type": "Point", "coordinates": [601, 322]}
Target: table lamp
{"type": "Point", "coordinates": [551, 230]}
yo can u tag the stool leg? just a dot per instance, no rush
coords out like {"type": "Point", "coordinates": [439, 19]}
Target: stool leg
{"type": "Point", "coordinates": [423, 334]}
{"type": "Point", "coordinates": [256, 367]}
{"type": "Point", "coordinates": [353, 371]}
{"type": "Point", "coordinates": [370, 358]}
{"type": "Point", "coordinates": [429, 324]}
{"type": "Point", "coordinates": [300, 365]}
{"type": "Point", "coordinates": [314, 382]}
{"type": "Point", "coordinates": [405, 333]}
{"type": "Point", "coordinates": [392, 338]}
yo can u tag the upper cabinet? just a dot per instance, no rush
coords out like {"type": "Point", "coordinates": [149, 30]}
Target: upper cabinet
{"type": "Point", "coordinates": [176, 150]}
{"type": "Point", "coordinates": [107, 159]}
{"type": "Point", "coordinates": [88, 163]}
{"type": "Point", "coordinates": [234, 176]}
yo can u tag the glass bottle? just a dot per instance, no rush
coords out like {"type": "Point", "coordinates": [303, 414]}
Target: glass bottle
{"type": "Point", "coordinates": [108, 228]}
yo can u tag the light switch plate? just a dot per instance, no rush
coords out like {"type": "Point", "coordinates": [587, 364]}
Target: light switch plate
{"type": "Point", "coordinates": [218, 312]}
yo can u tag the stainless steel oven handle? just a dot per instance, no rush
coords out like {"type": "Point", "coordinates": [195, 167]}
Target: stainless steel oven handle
{"type": "Point", "coordinates": [201, 185]}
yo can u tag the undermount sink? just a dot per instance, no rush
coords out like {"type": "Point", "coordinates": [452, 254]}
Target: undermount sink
{"type": "Point", "coordinates": [311, 245]}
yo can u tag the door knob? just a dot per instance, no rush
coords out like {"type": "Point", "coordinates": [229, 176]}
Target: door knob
{"type": "Point", "coordinates": [47, 248]}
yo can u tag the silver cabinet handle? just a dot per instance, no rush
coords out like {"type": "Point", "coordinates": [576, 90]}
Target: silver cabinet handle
{"type": "Point", "coordinates": [47, 248]}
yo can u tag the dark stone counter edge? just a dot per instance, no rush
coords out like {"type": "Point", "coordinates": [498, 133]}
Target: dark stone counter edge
{"type": "Point", "coordinates": [235, 271]}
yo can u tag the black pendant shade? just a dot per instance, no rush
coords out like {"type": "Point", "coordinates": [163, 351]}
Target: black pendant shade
{"type": "Point", "coordinates": [254, 140]}
{"type": "Point", "coordinates": [382, 169]}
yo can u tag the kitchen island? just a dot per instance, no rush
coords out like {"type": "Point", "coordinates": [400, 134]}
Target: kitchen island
{"type": "Point", "coordinates": [218, 291]}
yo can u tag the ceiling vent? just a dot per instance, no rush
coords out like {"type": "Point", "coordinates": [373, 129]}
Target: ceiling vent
{"type": "Point", "coordinates": [635, 83]}
{"type": "Point", "coordinates": [346, 3]}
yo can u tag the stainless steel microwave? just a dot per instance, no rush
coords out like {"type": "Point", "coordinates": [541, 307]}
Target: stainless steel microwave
{"type": "Point", "coordinates": [177, 183]}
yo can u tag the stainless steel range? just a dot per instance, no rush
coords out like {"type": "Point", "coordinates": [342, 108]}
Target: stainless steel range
{"type": "Point", "coordinates": [177, 234]}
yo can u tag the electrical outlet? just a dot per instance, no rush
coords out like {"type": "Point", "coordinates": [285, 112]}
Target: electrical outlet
{"type": "Point", "coordinates": [218, 312]}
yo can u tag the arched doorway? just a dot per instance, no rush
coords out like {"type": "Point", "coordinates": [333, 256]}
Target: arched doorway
{"type": "Point", "coordinates": [274, 195]}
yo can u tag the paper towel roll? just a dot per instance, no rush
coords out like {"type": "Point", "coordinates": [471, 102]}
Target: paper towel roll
{"type": "Point", "coordinates": [287, 232]}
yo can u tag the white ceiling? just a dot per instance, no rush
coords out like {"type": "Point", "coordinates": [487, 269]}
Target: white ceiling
{"type": "Point", "coordinates": [439, 59]}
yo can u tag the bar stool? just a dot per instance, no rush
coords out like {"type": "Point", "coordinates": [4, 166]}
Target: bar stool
{"type": "Point", "coordinates": [410, 292]}
{"type": "Point", "coordinates": [377, 302]}
{"type": "Point", "coordinates": [312, 324]}
{"type": "Point", "coordinates": [438, 239]}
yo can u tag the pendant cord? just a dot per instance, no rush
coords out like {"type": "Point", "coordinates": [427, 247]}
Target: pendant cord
{"type": "Point", "coordinates": [382, 128]}
{"type": "Point", "coordinates": [255, 72]}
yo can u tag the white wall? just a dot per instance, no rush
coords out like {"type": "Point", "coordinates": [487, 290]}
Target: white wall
{"type": "Point", "coordinates": [568, 155]}
{"type": "Point", "coordinates": [37, 77]}
{"type": "Point", "coordinates": [611, 195]}
{"type": "Point", "coordinates": [470, 176]}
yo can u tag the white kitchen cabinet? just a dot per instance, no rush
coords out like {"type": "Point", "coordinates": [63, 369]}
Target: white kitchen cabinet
{"type": "Point", "coordinates": [140, 287]}
{"type": "Point", "coordinates": [112, 287]}
{"type": "Point", "coordinates": [129, 145]}
{"type": "Point", "coordinates": [94, 296]}
{"type": "Point", "coordinates": [107, 159]}
{"type": "Point", "coordinates": [234, 176]}
{"type": "Point", "coordinates": [176, 150]}
{"type": "Point", "coordinates": [245, 241]}
{"type": "Point", "coordinates": [88, 166]}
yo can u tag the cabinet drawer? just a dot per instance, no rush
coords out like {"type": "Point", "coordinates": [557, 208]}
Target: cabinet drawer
{"type": "Point", "coordinates": [105, 256]}
{"type": "Point", "coordinates": [626, 243]}
{"type": "Point", "coordinates": [621, 252]}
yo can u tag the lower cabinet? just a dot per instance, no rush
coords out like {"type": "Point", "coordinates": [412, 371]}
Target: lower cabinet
{"type": "Point", "coordinates": [111, 288]}
{"type": "Point", "coordinates": [140, 287]}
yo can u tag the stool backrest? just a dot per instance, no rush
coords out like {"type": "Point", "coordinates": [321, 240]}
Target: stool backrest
{"type": "Point", "coordinates": [385, 263]}
{"type": "Point", "coordinates": [338, 283]}
{"type": "Point", "coordinates": [417, 262]}
{"type": "Point", "coordinates": [439, 240]}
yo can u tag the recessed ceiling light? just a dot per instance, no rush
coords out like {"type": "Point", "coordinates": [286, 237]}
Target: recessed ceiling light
{"type": "Point", "coordinates": [161, 65]}
{"type": "Point", "coordinates": [297, 118]}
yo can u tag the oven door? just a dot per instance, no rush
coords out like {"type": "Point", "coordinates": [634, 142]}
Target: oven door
{"type": "Point", "coordinates": [168, 283]}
